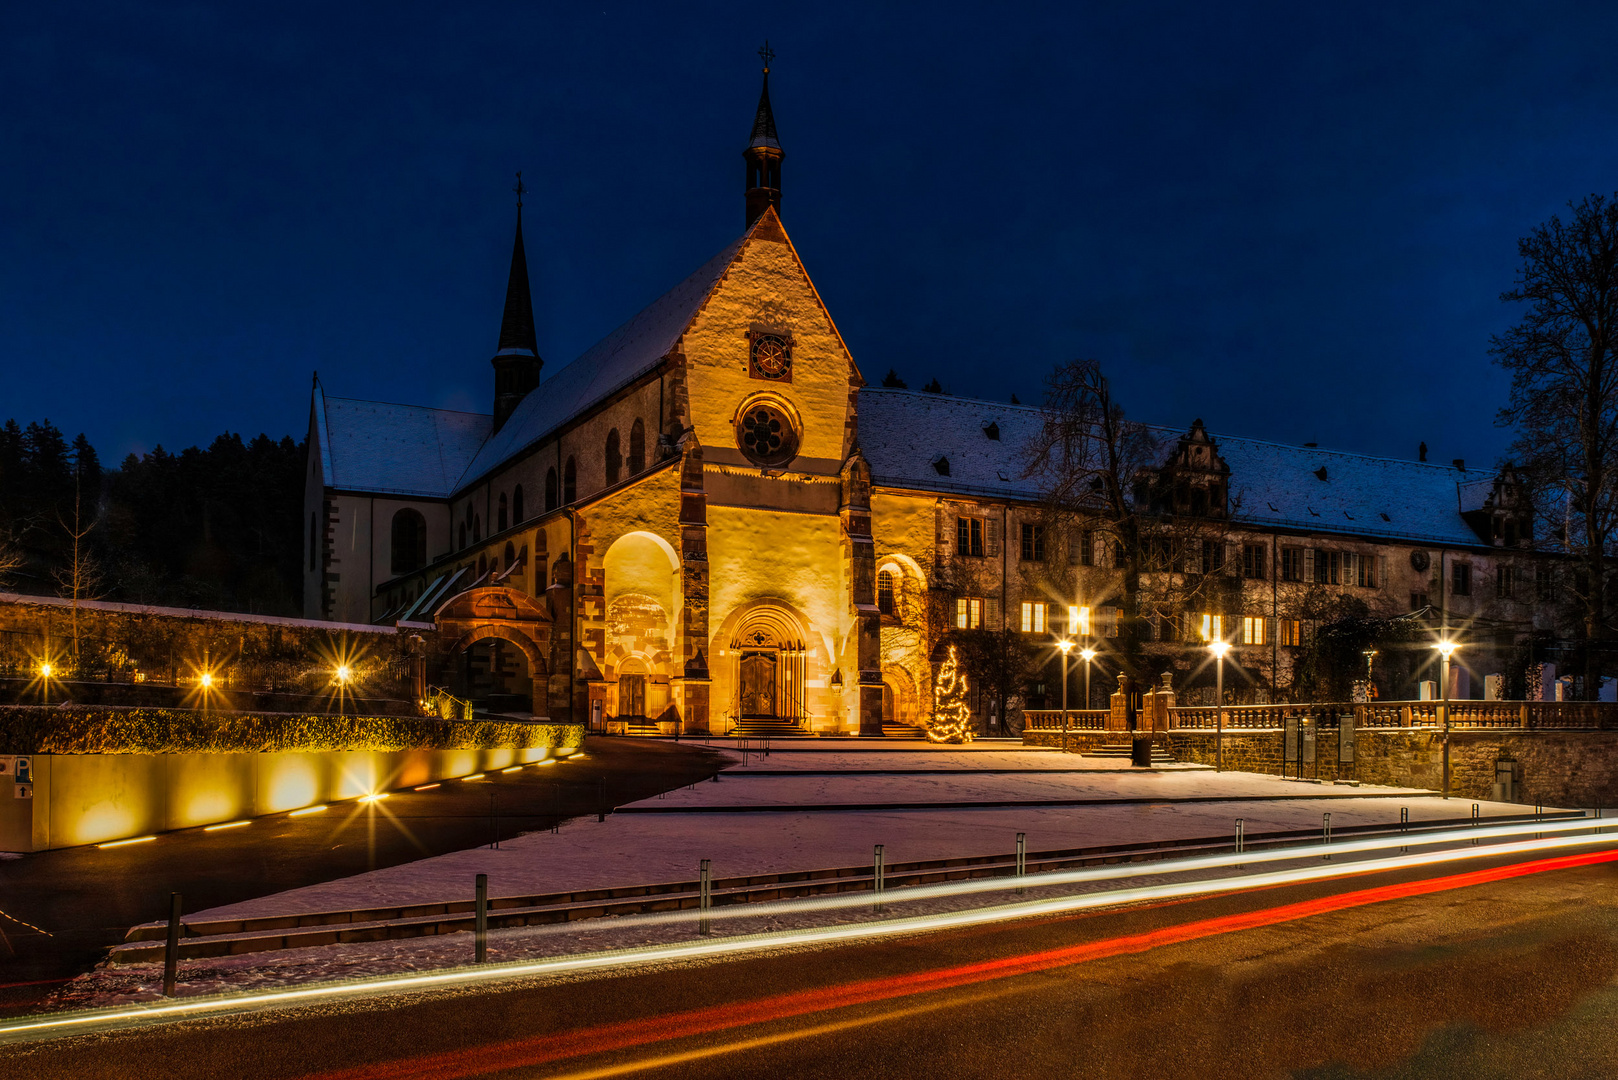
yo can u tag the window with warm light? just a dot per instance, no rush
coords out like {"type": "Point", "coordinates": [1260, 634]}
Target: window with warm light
{"type": "Point", "coordinates": [1033, 617]}
{"type": "Point", "coordinates": [968, 612]}
{"type": "Point", "coordinates": [1213, 628]}
{"type": "Point", "coordinates": [1078, 620]}
{"type": "Point", "coordinates": [1291, 631]}
{"type": "Point", "coordinates": [1252, 630]}
{"type": "Point", "coordinates": [884, 592]}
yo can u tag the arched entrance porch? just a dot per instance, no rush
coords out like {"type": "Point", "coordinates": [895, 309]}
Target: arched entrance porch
{"type": "Point", "coordinates": [496, 641]}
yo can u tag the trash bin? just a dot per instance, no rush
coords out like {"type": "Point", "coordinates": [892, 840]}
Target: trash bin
{"type": "Point", "coordinates": [1142, 755]}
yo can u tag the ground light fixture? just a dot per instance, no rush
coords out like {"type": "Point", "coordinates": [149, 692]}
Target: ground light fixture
{"type": "Point", "coordinates": [226, 825]}
{"type": "Point", "coordinates": [306, 811]}
{"type": "Point", "coordinates": [45, 669]}
{"type": "Point", "coordinates": [474, 776]}
{"type": "Point", "coordinates": [513, 768]}
{"type": "Point", "coordinates": [373, 797]}
{"type": "Point", "coordinates": [126, 843]}
{"type": "Point", "coordinates": [425, 787]}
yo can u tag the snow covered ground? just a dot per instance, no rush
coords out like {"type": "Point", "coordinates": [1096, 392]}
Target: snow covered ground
{"type": "Point", "coordinates": [1133, 805]}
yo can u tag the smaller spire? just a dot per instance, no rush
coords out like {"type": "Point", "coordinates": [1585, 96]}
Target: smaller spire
{"type": "Point", "coordinates": [763, 154]}
{"type": "Point", "coordinates": [764, 119]}
{"type": "Point", "coordinates": [516, 360]}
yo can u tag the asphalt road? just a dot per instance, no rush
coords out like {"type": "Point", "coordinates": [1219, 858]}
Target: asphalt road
{"type": "Point", "coordinates": [1514, 978]}
{"type": "Point", "coordinates": [86, 898]}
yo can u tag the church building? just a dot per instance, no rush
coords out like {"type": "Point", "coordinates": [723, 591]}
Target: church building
{"type": "Point", "coordinates": [710, 523]}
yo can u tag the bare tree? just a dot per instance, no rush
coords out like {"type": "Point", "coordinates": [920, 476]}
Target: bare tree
{"type": "Point", "coordinates": [1564, 398]}
{"type": "Point", "coordinates": [81, 577]}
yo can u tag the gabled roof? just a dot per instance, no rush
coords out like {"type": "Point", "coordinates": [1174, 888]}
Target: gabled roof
{"type": "Point", "coordinates": [904, 433]}
{"type": "Point", "coordinates": [395, 449]}
{"type": "Point", "coordinates": [616, 360]}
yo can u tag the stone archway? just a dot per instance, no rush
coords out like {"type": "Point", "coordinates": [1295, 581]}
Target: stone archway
{"type": "Point", "coordinates": [765, 662]}
{"type": "Point", "coordinates": [474, 628]}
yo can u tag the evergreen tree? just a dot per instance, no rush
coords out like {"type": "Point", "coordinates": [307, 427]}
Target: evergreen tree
{"type": "Point", "coordinates": [891, 379]}
{"type": "Point", "coordinates": [933, 387]}
{"type": "Point", "coordinates": [952, 719]}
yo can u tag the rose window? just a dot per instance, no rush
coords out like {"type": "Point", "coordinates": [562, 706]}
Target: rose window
{"type": "Point", "coordinates": [766, 435]}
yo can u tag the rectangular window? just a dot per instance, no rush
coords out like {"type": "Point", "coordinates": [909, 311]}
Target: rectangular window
{"type": "Point", "coordinates": [968, 612]}
{"type": "Point", "coordinates": [991, 613]}
{"type": "Point", "coordinates": [1365, 571]}
{"type": "Point", "coordinates": [1418, 600]}
{"type": "Point", "coordinates": [969, 536]}
{"type": "Point", "coordinates": [1078, 620]}
{"type": "Point", "coordinates": [1033, 542]}
{"type": "Point", "coordinates": [1253, 561]}
{"type": "Point", "coordinates": [1461, 579]}
{"type": "Point", "coordinates": [1291, 631]}
{"type": "Point", "coordinates": [1505, 582]}
{"type": "Point", "coordinates": [1213, 557]}
{"type": "Point", "coordinates": [1213, 628]}
{"type": "Point", "coordinates": [1291, 564]}
{"type": "Point", "coordinates": [1252, 630]}
{"type": "Point", "coordinates": [1087, 550]}
{"type": "Point", "coordinates": [1033, 617]}
{"type": "Point", "coordinates": [1107, 617]}
{"type": "Point", "coordinates": [1544, 581]}
{"type": "Point", "coordinates": [1328, 567]}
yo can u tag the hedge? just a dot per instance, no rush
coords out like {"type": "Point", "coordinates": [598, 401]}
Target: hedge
{"type": "Point", "coordinates": [40, 729]}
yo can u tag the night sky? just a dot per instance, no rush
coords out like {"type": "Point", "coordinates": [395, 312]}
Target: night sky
{"type": "Point", "coordinates": [1292, 222]}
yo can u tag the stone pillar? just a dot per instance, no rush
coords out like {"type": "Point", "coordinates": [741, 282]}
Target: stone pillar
{"type": "Point", "coordinates": [860, 555]}
{"type": "Point", "coordinates": [559, 596]}
{"type": "Point", "coordinates": [693, 681]}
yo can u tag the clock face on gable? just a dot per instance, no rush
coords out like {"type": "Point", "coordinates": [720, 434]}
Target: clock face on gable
{"type": "Point", "coordinates": [771, 359]}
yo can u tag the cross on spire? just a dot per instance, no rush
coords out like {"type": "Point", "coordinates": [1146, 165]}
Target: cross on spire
{"type": "Point", "coordinates": [519, 189]}
{"type": "Point", "coordinates": [766, 54]}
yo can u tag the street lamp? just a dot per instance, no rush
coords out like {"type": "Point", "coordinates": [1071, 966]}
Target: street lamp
{"type": "Point", "coordinates": [344, 674]}
{"type": "Point", "coordinates": [1446, 649]}
{"type": "Point", "coordinates": [1066, 645]}
{"type": "Point", "coordinates": [1089, 655]}
{"type": "Point", "coordinates": [1219, 648]}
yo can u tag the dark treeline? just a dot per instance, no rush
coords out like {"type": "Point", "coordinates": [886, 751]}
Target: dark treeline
{"type": "Point", "coordinates": [214, 528]}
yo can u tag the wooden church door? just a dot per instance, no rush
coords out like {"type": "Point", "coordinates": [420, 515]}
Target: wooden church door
{"type": "Point", "coordinates": [758, 684]}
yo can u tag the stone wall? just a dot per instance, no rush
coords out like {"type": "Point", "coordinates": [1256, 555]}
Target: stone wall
{"type": "Point", "coordinates": [1553, 768]}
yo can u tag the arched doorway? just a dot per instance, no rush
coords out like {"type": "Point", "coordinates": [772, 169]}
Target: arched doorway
{"type": "Point", "coordinates": [494, 676]}
{"type": "Point", "coordinates": [771, 666]}
{"type": "Point", "coordinates": [492, 650]}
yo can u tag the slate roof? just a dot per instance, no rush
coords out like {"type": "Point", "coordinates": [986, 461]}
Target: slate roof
{"type": "Point", "coordinates": [615, 361]}
{"type": "Point", "coordinates": [395, 449]}
{"type": "Point", "coordinates": [903, 432]}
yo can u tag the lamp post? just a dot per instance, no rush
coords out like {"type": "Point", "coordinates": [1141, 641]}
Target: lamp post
{"type": "Point", "coordinates": [1089, 654]}
{"type": "Point", "coordinates": [1446, 649]}
{"type": "Point", "coordinates": [1066, 646]}
{"type": "Point", "coordinates": [1219, 649]}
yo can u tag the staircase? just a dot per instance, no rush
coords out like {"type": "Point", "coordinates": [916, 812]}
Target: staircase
{"type": "Point", "coordinates": [759, 727]}
{"type": "Point", "coordinates": [902, 731]}
{"type": "Point", "coordinates": [1159, 755]}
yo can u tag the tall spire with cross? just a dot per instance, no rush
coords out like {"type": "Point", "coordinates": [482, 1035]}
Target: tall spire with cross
{"type": "Point", "coordinates": [763, 154]}
{"type": "Point", "coordinates": [516, 359]}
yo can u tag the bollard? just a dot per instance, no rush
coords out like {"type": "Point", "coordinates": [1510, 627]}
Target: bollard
{"type": "Point", "coordinates": [1404, 825]}
{"type": "Point", "coordinates": [704, 895]}
{"type": "Point", "coordinates": [601, 801]}
{"type": "Point", "coordinates": [1241, 829]}
{"type": "Point", "coordinates": [1475, 822]}
{"type": "Point", "coordinates": [766, 746]}
{"type": "Point", "coordinates": [1022, 858]}
{"type": "Point", "coordinates": [556, 809]}
{"type": "Point", "coordinates": [171, 950]}
{"type": "Point", "coordinates": [494, 824]}
{"type": "Point", "coordinates": [481, 924]}
{"type": "Point", "coordinates": [877, 875]}
{"type": "Point", "coordinates": [1539, 810]}
{"type": "Point", "coordinates": [1325, 832]}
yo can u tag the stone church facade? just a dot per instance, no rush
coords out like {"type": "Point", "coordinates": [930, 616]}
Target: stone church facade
{"type": "Point", "coordinates": [709, 522]}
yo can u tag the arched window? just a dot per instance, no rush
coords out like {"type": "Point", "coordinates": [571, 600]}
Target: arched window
{"type": "Point", "coordinates": [409, 541]}
{"type": "Point", "coordinates": [516, 505]}
{"type": "Point", "coordinates": [550, 490]}
{"type": "Point", "coordinates": [511, 555]}
{"type": "Point", "coordinates": [570, 481]}
{"type": "Point", "coordinates": [637, 448]}
{"type": "Point", "coordinates": [615, 460]}
{"type": "Point", "coordinates": [477, 527]}
{"type": "Point", "coordinates": [884, 592]}
{"type": "Point", "coordinates": [462, 544]}
{"type": "Point", "coordinates": [502, 513]}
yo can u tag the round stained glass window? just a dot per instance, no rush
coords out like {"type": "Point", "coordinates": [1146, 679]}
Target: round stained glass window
{"type": "Point", "coordinates": [766, 435]}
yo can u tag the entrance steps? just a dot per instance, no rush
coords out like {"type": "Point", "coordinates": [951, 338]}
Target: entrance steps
{"type": "Point", "coordinates": [1159, 755]}
{"type": "Point", "coordinates": [760, 727]}
{"type": "Point", "coordinates": [902, 731]}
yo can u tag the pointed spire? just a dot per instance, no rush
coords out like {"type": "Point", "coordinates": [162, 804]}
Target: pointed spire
{"type": "Point", "coordinates": [516, 358]}
{"type": "Point", "coordinates": [763, 154]}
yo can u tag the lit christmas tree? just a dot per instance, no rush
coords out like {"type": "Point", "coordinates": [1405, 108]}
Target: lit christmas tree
{"type": "Point", "coordinates": [951, 720]}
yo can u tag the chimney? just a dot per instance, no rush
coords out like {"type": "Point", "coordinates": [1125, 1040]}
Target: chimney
{"type": "Point", "coordinates": [1421, 452]}
{"type": "Point", "coordinates": [1460, 463]}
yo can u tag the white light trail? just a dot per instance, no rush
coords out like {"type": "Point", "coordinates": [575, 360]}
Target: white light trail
{"type": "Point", "coordinates": [95, 1020]}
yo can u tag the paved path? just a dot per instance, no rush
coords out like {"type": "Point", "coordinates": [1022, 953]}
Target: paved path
{"type": "Point", "coordinates": [88, 897]}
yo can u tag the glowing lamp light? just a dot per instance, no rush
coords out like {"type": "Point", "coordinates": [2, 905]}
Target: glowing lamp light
{"type": "Point", "coordinates": [206, 680]}
{"type": "Point", "coordinates": [306, 811]}
{"type": "Point", "coordinates": [1446, 649]}
{"type": "Point", "coordinates": [1219, 648]}
{"type": "Point", "coordinates": [126, 843]}
{"type": "Point", "coordinates": [45, 669]}
{"type": "Point", "coordinates": [344, 673]}
{"type": "Point", "coordinates": [1065, 645]}
{"type": "Point", "coordinates": [1088, 654]}
{"type": "Point", "coordinates": [374, 797]}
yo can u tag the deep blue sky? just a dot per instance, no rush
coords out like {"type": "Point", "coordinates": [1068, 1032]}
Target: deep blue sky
{"type": "Point", "coordinates": [1291, 221]}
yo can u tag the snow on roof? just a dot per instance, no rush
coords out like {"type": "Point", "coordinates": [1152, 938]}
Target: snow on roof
{"type": "Point", "coordinates": [910, 438]}
{"type": "Point", "coordinates": [398, 449]}
{"type": "Point", "coordinates": [612, 363]}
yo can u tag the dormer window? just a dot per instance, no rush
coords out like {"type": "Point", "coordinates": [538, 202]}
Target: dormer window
{"type": "Point", "coordinates": [992, 430]}
{"type": "Point", "coordinates": [941, 465]}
